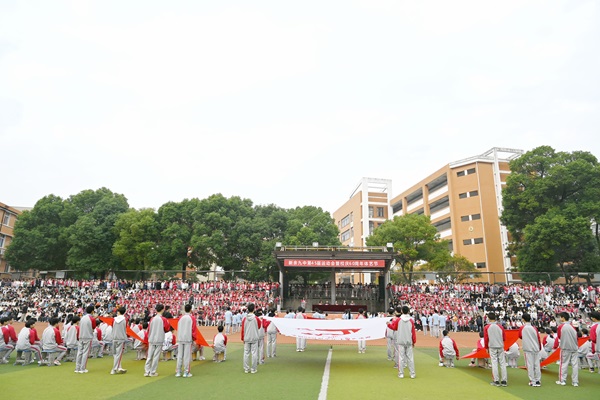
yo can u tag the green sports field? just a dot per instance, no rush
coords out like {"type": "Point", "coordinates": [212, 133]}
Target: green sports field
{"type": "Point", "coordinates": [291, 375]}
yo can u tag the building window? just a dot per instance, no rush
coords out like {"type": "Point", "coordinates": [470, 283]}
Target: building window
{"type": "Point", "coordinates": [371, 227]}
{"type": "Point", "coordinates": [370, 212]}
{"type": "Point", "coordinates": [2, 240]}
{"type": "Point", "coordinates": [466, 172]}
{"type": "Point", "coordinates": [468, 194]}
{"type": "Point", "coordinates": [345, 221]}
{"type": "Point", "coordinates": [345, 236]}
{"type": "Point", "coordinates": [6, 219]}
{"type": "Point", "coordinates": [380, 212]}
{"type": "Point", "coordinates": [480, 265]}
{"type": "Point", "coordinates": [471, 217]}
{"type": "Point", "coordinates": [468, 242]}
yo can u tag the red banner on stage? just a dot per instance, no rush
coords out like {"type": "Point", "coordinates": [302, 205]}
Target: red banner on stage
{"type": "Point", "coordinates": [359, 264]}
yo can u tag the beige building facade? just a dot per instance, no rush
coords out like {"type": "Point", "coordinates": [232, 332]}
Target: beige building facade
{"type": "Point", "coordinates": [464, 201]}
{"type": "Point", "coordinates": [366, 209]}
{"type": "Point", "coordinates": [8, 217]}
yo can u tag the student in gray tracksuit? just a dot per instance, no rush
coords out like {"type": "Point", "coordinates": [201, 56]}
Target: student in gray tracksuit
{"type": "Point", "coordinates": [186, 332]}
{"type": "Point", "coordinates": [405, 338]}
{"type": "Point", "coordinates": [87, 325]}
{"type": "Point", "coordinates": [157, 328]}
{"type": "Point", "coordinates": [119, 333]}
{"type": "Point", "coordinates": [493, 339]}
{"type": "Point", "coordinates": [532, 344]}
{"type": "Point", "coordinates": [567, 341]}
{"type": "Point", "coordinates": [249, 335]}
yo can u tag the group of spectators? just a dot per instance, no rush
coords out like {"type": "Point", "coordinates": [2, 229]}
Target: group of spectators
{"type": "Point", "coordinates": [42, 299]}
{"type": "Point", "coordinates": [463, 307]}
{"type": "Point", "coordinates": [459, 307]}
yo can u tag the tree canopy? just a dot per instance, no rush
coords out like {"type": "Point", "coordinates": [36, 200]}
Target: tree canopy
{"type": "Point", "coordinates": [415, 242]}
{"type": "Point", "coordinates": [550, 202]}
{"type": "Point", "coordinates": [95, 232]}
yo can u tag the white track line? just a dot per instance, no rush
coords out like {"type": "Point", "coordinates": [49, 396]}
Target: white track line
{"type": "Point", "coordinates": [325, 381]}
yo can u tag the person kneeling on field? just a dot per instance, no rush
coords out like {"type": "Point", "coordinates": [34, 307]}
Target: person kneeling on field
{"type": "Point", "coordinates": [448, 351]}
{"type": "Point", "coordinates": [219, 345]}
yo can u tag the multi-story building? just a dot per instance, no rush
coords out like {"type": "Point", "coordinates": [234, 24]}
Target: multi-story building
{"type": "Point", "coordinates": [8, 217]}
{"type": "Point", "coordinates": [464, 201]}
{"type": "Point", "coordinates": [366, 209]}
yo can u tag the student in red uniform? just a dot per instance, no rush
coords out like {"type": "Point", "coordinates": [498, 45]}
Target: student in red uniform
{"type": "Point", "coordinates": [7, 341]}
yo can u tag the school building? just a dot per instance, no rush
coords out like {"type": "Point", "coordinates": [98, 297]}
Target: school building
{"type": "Point", "coordinates": [8, 217]}
{"type": "Point", "coordinates": [463, 200]}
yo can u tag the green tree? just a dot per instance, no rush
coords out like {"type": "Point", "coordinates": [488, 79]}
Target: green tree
{"type": "Point", "coordinates": [310, 224]}
{"type": "Point", "coordinates": [40, 237]}
{"type": "Point", "coordinates": [92, 236]}
{"type": "Point", "coordinates": [415, 242]}
{"type": "Point", "coordinates": [225, 233]}
{"type": "Point", "coordinates": [176, 222]}
{"type": "Point", "coordinates": [136, 245]}
{"type": "Point", "coordinates": [452, 268]}
{"type": "Point", "coordinates": [549, 191]}
{"type": "Point", "coordinates": [271, 222]}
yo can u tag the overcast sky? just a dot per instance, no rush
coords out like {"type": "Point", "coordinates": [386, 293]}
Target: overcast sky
{"type": "Point", "coordinates": [283, 102]}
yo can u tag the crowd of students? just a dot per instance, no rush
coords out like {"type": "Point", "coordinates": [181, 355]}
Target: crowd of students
{"type": "Point", "coordinates": [147, 305]}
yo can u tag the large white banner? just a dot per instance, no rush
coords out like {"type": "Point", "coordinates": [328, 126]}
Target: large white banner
{"type": "Point", "coordinates": [332, 329]}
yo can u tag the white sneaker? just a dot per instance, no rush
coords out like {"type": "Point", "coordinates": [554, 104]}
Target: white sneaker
{"type": "Point", "coordinates": [178, 375]}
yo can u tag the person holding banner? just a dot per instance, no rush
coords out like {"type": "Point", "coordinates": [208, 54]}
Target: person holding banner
{"type": "Point", "coordinates": [494, 337]}
{"type": "Point", "coordinates": [157, 328]}
{"type": "Point", "coordinates": [567, 342]}
{"type": "Point", "coordinates": [249, 335]}
{"type": "Point", "coordinates": [362, 344]}
{"type": "Point", "coordinates": [271, 336]}
{"type": "Point", "coordinates": [532, 345]}
{"type": "Point", "coordinates": [300, 341]}
{"type": "Point", "coordinates": [186, 330]}
{"type": "Point", "coordinates": [119, 339]}
{"type": "Point", "coordinates": [405, 338]}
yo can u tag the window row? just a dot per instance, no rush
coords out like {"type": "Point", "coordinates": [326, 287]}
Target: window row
{"type": "Point", "coordinates": [466, 172]}
{"type": "Point", "coordinates": [346, 235]}
{"type": "Point", "coordinates": [468, 194]}
{"type": "Point", "coordinates": [468, 242]}
{"type": "Point", "coordinates": [380, 212]}
{"type": "Point", "coordinates": [471, 217]}
{"type": "Point", "coordinates": [346, 220]}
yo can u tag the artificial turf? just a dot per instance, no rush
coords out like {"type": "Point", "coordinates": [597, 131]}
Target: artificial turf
{"type": "Point", "coordinates": [291, 375]}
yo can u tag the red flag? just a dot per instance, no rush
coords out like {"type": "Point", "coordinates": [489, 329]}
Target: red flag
{"type": "Point", "coordinates": [555, 355]}
{"type": "Point", "coordinates": [108, 320]}
{"type": "Point", "coordinates": [200, 341]}
{"type": "Point", "coordinates": [134, 335]}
